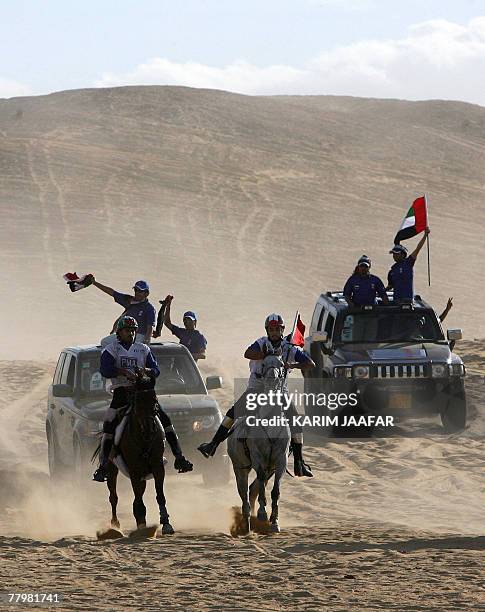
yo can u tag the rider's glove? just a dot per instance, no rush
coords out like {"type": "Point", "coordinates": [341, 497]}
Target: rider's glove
{"type": "Point", "coordinates": [182, 464]}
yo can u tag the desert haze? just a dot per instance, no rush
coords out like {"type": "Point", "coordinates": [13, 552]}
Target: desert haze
{"type": "Point", "coordinates": [236, 205]}
{"type": "Point", "coordinates": [239, 206]}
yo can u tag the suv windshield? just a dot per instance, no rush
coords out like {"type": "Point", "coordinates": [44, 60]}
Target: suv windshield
{"type": "Point", "coordinates": [390, 327]}
{"type": "Point", "coordinates": [178, 375]}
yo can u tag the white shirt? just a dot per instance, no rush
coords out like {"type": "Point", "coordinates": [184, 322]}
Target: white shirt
{"type": "Point", "coordinates": [128, 359]}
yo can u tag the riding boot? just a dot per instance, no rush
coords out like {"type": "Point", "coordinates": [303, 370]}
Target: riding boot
{"type": "Point", "coordinates": [300, 467]}
{"type": "Point", "coordinates": [173, 442]}
{"type": "Point", "coordinates": [181, 463]}
{"type": "Point", "coordinates": [106, 445]}
{"type": "Point", "coordinates": [208, 449]}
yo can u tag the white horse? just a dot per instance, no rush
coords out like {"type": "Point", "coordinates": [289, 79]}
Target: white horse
{"type": "Point", "coordinates": [263, 448]}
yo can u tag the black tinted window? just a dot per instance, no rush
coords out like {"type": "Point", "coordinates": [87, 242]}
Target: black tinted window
{"type": "Point", "coordinates": [65, 369]}
{"type": "Point", "coordinates": [57, 373]}
{"type": "Point", "coordinates": [320, 319]}
{"type": "Point", "coordinates": [178, 374]}
{"type": "Point", "coordinates": [91, 382]}
{"type": "Point", "coordinates": [329, 325]}
{"type": "Point", "coordinates": [390, 327]}
{"type": "Point", "coordinates": [71, 372]}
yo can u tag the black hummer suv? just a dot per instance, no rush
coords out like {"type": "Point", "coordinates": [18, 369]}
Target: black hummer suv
{"type": "Point", "coordinates": [394, 357]}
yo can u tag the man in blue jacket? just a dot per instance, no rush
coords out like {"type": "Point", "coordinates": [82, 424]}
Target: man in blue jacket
{"type": "Point", "coordinates": [188, 335]}
{"type": "Point", "coordinates": [136, 306]}
{"type": "Point", "coordinates": [362, 288]}
{"type": "Point", "coordinates": [401, 274]}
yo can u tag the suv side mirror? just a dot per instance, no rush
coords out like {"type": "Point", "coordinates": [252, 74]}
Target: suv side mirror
{"type": "Point", "coordinates": [62, 391]}
{"type": "Point", "coordinates": [213, 382]}
{"type": "Point", "coordinates": [320, 337]}
{"type": "Point", "coordinates": [454, 334]}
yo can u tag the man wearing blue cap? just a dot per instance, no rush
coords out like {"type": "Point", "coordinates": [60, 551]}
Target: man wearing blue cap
{"type": "Point", "coordinates": [188, 335]}
{"type": "Point", "coordinates": [401, 274]}
{"type": "Point", "coordinates": [136, 306]}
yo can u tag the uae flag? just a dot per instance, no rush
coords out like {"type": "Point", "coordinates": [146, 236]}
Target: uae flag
{"type": "Point", "coordinates": [414, 222]}
{"type": "Point", "coordinates": [297, 337]}
{"type": "Point", "coordinates": [75, 282]}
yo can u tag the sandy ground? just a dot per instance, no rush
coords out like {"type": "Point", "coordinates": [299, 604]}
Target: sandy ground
{"type": "Point", "coordinates": [393, 522]}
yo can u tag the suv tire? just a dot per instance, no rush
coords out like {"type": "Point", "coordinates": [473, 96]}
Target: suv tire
{"type": "Point", "coordinates": [453, 415]}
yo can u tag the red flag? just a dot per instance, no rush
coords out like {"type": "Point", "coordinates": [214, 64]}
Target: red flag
{"type": "Point", "coordinates": [298, 336]}
{"type": "Point", "coordinates": [75, 283]}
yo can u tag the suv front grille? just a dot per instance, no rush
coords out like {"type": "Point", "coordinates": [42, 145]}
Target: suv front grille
{"type": "Point", "coordinates": [404, 370]}
{"type": "Point", "coordinates": [181, 420]}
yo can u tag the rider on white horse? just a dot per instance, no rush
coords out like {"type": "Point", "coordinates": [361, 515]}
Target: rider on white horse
{"type": "Point", "coordinates": [122, 361]}
{"type": "Point", "coordinates": [294, 358]}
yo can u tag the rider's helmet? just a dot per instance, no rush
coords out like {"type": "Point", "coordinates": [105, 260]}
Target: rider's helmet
{"type": "Point", "coordinates": [126, 322]}
{"type": "Point", "coordinates": [274, 320]}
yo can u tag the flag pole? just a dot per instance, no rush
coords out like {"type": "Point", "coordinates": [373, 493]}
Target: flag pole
{"type": "Point", "coordinates": [294, 324]}
{"type": "Point", "coordinates": [427, 241]}
{"type": "Point", "coordinates": [289, 350]}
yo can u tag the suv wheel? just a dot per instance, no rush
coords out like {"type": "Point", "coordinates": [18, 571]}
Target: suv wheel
{"type": "Point", "coordinates": [453, 415]}
{"type": "Point", "coordinates": [79, 462]}
{"type": "Point", "coordinates": [56, 467]}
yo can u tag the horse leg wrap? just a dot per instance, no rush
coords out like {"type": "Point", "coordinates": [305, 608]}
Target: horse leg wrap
{"type": "Point", "coordinates": [300, 467]}
{"type": "Point", "coordinates": [164, 516]}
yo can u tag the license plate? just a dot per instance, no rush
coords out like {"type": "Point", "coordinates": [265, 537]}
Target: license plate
{"type": "Point", "coordinates": [400, 401]}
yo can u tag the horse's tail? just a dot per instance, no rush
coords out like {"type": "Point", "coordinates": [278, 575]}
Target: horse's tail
{"type": "Point", "coordinates": [96, 453]}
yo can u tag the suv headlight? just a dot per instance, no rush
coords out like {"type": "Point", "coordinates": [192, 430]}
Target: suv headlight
{"type": "Point", "coordinates": [457, 369]}
{"type": "Point", "coordinates": [439, 370]}
{"type": "Point", "coordinates": [342, 372]}
{"type": "Point", "coordinates": [203, 423]}
{"type": "Point", "coordinates": [361, 371]}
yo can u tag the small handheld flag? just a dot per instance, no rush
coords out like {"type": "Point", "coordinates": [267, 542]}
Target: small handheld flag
{"type": "Point", "coordinates": [76, 282]}
{"type": "Point", "coordinates": [415, 221]}
{"type": "Point", "coordinates": [297, 336]}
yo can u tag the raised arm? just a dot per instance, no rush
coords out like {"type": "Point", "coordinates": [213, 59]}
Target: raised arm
{"type": "Point", "coordinates": [166, 318]}
{"type": "Point", "coordinates": [104, 288]}
{"type": "Point", "coordinates": [415, 253]}
{"type": "Point", "coordinates": [449, 306]}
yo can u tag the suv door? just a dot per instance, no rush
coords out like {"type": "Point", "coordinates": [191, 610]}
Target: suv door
{"type": "Point", "coordinates": [54, 401]}
{"type": "Point", "coordinates": [65, 406]}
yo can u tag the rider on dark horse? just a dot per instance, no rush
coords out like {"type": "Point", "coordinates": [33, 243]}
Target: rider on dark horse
{"type": "Point", "coordinates": [124, 361]}
{"type": "Point", "coordinates": [294, 357]}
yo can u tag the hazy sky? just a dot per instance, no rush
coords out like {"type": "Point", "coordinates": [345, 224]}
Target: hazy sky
{"type": "Point", "coordinates": [375, 48]}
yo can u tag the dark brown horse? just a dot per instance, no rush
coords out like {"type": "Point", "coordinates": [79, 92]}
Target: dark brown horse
{"type": "Point", "coordinates": [141, 447]}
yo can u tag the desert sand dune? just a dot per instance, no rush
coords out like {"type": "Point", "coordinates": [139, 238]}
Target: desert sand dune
{"type": "Point", "coordinates": [241, 195]}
